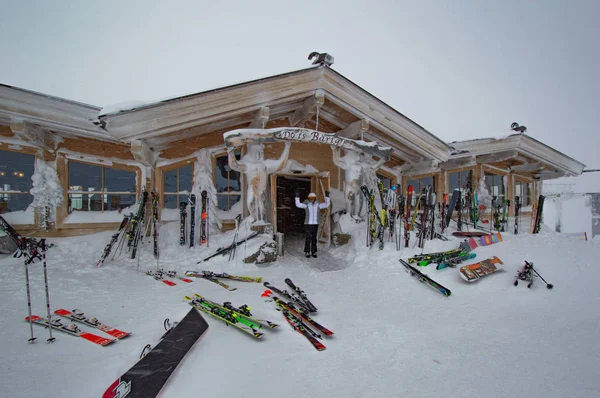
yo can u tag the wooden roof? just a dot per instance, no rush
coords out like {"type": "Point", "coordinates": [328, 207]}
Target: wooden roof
{"type": "Point", "coordinates": [517, 152]}
{"type": "Point", "coordinates": [167, 122]}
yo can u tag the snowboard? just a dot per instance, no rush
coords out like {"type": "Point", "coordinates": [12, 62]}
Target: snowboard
{"type": "Point", "coordinates": [451, 207]}
{"type": "Point", "coordinates": [147, 377]}
{"type": "Point", "coordinates": [470, 234]}
{"type": "Point", "coordinates": [476, 271]}
{"type": "Point", "coordinates": [490, 239]}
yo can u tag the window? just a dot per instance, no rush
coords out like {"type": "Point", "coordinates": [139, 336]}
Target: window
{"type": "Point", "coordinates": [523, 191]}
{"type": "Point", "coordinates": [228, 183]}
{"type": "Point", "coordinates": [495, 185]}
{"type": "Point", "coordinates": [177, 185]}
{"type": "Point", "coordinates": [459, 180]}
{"type": "Point", "coordinates": [99, 188]}
{"type": "Point", "coordinates": [16, 170]}
{"type": "Point", "coordinates": [419, 185]}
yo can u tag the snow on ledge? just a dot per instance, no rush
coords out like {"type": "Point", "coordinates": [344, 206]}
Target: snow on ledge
{"type": "Point", "coordinates": [90, 217]}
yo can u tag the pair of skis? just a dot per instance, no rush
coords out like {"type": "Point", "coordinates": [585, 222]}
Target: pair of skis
{"type": "Point", "coordinates": [425, 279]}
{"type": "Point", "coordinates": [298, 297]}
{"type": "Point", "coordinates": [183, 220]}
{"type": "Point", "coordinates": [74, 330]}
{"type": "Point", "coordinates": [162, 275]}
{"type": "Point", "coordinates": [223, 275]}
{"type": "Point", "coordinates": [236, 317]}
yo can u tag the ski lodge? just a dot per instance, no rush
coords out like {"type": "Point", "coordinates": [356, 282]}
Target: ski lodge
{"type": "Point", "coordinates": [176, 147]}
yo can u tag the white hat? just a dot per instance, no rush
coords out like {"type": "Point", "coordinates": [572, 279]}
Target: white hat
{"type": "Point", "coordinates": [312, 195]}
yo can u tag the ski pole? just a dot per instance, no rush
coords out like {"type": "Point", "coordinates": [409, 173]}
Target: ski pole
{"type": "Point", "coordinates": [43, 244]}
{"type": "Point", "coordinates": [548, 285]}
{"type": "Point", "coordinates": [31, 339]}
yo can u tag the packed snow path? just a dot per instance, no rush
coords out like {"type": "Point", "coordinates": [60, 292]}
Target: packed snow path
{"type": "Point", "coordinates": [393, 335]}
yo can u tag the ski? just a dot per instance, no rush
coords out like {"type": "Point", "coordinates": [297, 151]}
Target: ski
{"type": "Point", "coordinates": [182, 222]}
{"type": "Point", "coordinates": [302, 314]}
{"type": "Point", "coordinates": [173, 274]}
{"type": "Point", "coordinates": [299, 326]}
{"type": "Point", "coordinates": [136, 230]}
{"type": "Point", "coordinates": [192, 218]}
{"type": "Point", "coordinates": [225, 316]}
{"type": "Point", "coordinates": [243, 311]}
{"type": "Point", "coordinates": [286, 295]}
{"type": "Point", "coordinates": [409, 195]}
{"type": "Point", "coordinates": [223, 275]}
{"type": "Point", "coordinates": [425, 279]}
{"type": "Point", "coordinates": [71, 329]}
{"type": "Point", "coordinates": [301, 294]}
{"type": "Point", "coordinates": [432, 256]}
{"type": "Point", "coordinates": [216, 281]}
{"type": "Point", "coordinates": [113, 240]}
{"type": "Point", "coordinates": [517, 214]}
{"type": "Point", "coordinates": [155, 226]}
{"type": "Point", "coordinates": [80, 317]}
{"type": "Point", "coordinates": [204, 226]}
{"type": "Point", "coordinates": [452, 262]}
{"type": "Point", "coordinates": [148, 376]}
{"type": "Point", "coordinates": [159, 276]}
{"type": "Point", "coordinates": [224, 250]}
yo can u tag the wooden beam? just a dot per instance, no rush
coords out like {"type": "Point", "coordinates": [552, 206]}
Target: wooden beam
{"type": "Point", "coordinates": [355, 129]}
{"type": "Point", "coordinates": [35, 136]}
{"type": "Point", "coordinates": [309, 108]}
{"type": "Point", "coordinates": [424, 167]}
{"type": "Point", "coordinates": [459, 163]}
{"type": "Point", "coordinates": [528, 167]}
{"type": "Point", "coordinates": [142, 153]}
{"type": "Point", "coordinates": [497, 157]}
{"type": "Point", "coordinates": [402, 154]}
{"type": "Point", "coordinates": [261, 118]}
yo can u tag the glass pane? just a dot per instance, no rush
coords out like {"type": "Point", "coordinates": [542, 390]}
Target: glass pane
{"type": "Point", "coordinates": [185, 179]}
{"type": "Point", "coordinates": [118, 202]}
{"type": "Point", "coordinates": [14, 202]}
{"type": "Point", "coordinates": [223, 202]}
{"type": "Point", "coordinates": [222, 173]}
{"type": "Point", "coordinates": [453, 180]}
{"type": "Point", "coordinates": [171, 202]}
{"type": "Point", "coordinates": [233, 199]}
{"type": "Point", "coordinates": [84, 177]}
{"type": "Point", "coordinates": [170, 181]}
{"type": "Point", "coordinates": [119, 180]}
{"type": "Point", "coordinates": [84, 202]}
{"type": "Point", "coordinates": [16, 170]}
{"type": "Point", "coordinates": [425, 182]}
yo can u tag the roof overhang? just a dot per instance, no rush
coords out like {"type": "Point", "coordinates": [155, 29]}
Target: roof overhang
{"type": "Point", "coordinates": [538, 156]}
{"type": "Point", "coordinates": [50, 113]}
{"type": "Point", "coordinates": [237, 104]}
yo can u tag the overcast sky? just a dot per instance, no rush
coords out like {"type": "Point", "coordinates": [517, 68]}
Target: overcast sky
{"type": "Point", "coordinates": [462, 69]}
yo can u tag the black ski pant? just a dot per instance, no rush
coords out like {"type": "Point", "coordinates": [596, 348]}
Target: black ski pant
{"type": "Point", "coordinates": [310, 243]}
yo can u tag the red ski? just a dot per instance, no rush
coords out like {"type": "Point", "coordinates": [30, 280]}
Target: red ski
{"type": "Point", "coordinates": [80, 317]}
{"type": "Point", "coordinates": [302, 314]}
{"type": "Point", "coordinates": [72, 329]}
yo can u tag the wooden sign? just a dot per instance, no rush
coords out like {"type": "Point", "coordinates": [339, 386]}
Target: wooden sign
{"type": "Point", "coordinates": [241, 137]}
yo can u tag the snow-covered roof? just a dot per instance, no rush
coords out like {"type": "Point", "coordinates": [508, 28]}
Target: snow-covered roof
{"type": "Point", "coordinates": [520, 144]}
{"type": "Point", "coordinates": [235, 106]}
{"type": "Point", "coordinates": [49, 112]}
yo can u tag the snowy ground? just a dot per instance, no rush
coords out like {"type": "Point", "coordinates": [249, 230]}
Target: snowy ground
{"type": "Point", "coordinates": [394, 337]}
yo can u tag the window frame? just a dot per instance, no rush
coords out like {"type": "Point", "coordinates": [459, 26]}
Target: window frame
{"type": "Point", "coordinates": [504, 194]}
{"type": "Point", "coordinates": [23, 151]}
{"type": "Point", "coordinates": [160, 180]}
{"type": "Point", "coordinates": [228, 193]}
{"type": "Point", "coordinates": [102, 193]}
{"type": "Point", "coordinates": [530, 183]}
